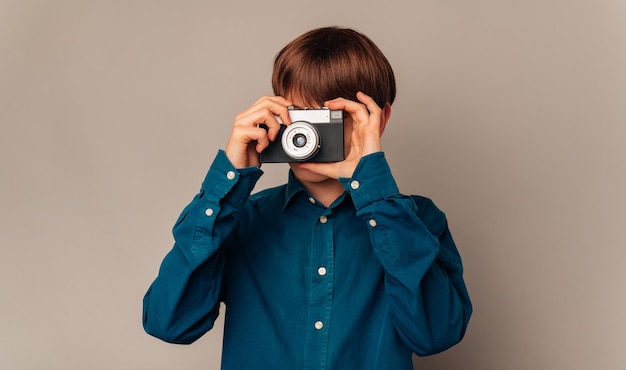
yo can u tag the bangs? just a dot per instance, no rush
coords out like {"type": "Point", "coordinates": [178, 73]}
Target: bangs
{"type": "Point", "coordinates": [329, 63]}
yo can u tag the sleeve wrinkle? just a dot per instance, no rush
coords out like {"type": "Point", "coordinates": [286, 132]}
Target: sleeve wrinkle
{"type": "Point", "coordinates": [183, 301]}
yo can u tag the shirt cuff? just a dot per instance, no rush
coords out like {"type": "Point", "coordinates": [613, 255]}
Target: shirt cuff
{"type": "Point", "coordinates": [223, 178]}
{"type": "Point", "coordinates": [371, 181]}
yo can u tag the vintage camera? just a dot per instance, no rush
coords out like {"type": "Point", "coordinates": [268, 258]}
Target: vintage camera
{"type": "Point", "coordinates": [315, 135]}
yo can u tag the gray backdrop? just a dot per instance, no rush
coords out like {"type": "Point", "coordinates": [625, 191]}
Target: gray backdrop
{"type": "Point", "coordinates": [510, 114]}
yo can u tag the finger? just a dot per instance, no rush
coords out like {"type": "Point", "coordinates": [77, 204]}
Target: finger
{"type": "Point", "coordinates": [284, 116]}
{"type": "Point", "coordinates": [342, 103]}
{"type": "Point", "coordinates": [265, 101]}
{"type": "Point", "coordinates": [246, 135]}
{"type": "Point", "coordinates": [357, 110]}
{"type": "Point", "coordinates": [375, 113]}
{"type": "Point", "coordinates": [259, 117]}
{"type": "Point", "coordinates": [243, 143]}
{"type": "Point", "coordinates": [368, 101]}
{"type": "Point", "coordinates": [277, 105]}
{"type": "Point", "coordinates": [273, 126]}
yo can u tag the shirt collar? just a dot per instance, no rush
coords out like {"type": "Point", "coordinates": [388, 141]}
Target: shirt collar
{"type": "Point", "coordinates": [293, 187]}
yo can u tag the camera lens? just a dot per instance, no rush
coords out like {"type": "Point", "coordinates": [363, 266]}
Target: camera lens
{"type": "Point", "coordinates": [299, 140]}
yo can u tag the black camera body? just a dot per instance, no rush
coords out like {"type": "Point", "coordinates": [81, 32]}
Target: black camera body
{"type": "Point", "coordinates": [315, 135]}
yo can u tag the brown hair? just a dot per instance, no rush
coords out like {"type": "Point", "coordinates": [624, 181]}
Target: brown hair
{"type": "Point", "coordinates": [331, 62]}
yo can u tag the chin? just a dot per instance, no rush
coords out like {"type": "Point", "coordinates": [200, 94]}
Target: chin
{"type": "Point", "coordinates": [307, 176]}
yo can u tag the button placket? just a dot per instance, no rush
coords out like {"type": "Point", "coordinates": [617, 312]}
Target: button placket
{"type": "Point", "coordinates": [320, 300]}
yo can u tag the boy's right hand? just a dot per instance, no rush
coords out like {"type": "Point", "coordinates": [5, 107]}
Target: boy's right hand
{"type": "Point", "coordinates": [247, 139]}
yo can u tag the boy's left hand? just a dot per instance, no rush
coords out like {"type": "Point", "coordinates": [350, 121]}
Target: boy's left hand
{"type": "Point", "coordinates": [364, 128]}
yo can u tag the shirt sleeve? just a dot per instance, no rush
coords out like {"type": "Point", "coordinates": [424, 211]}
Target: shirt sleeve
{"type": "Point", "coordinates": [183, 301]}
{"type": "Point", "coordinates": [424, 282]}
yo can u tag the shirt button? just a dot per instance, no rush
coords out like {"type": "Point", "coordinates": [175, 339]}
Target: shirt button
{"type": "Point", "coordinates": [321, 271]}
{"type": "Point", "coordinates": [312, 200]}
{"type": "Point", "coordinates": [319, 325]}
{"type": "Point", "coordinates": [230, 175]}
{"type": "Point", "coordinates": [372, 222]}
{"type": "Point", "coordinates": [323, 219]}
{"type": "Point", "coordinates": [209, 212]}
{"type": "Point", "coordinates": [355, 184]}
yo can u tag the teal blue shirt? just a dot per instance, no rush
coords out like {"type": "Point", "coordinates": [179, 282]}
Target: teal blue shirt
{"type": "Point", "coordinates": [361, 284]}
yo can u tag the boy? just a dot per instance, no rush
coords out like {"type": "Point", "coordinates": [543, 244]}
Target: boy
{"type": "Point", "coordinates": [333, 270]}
